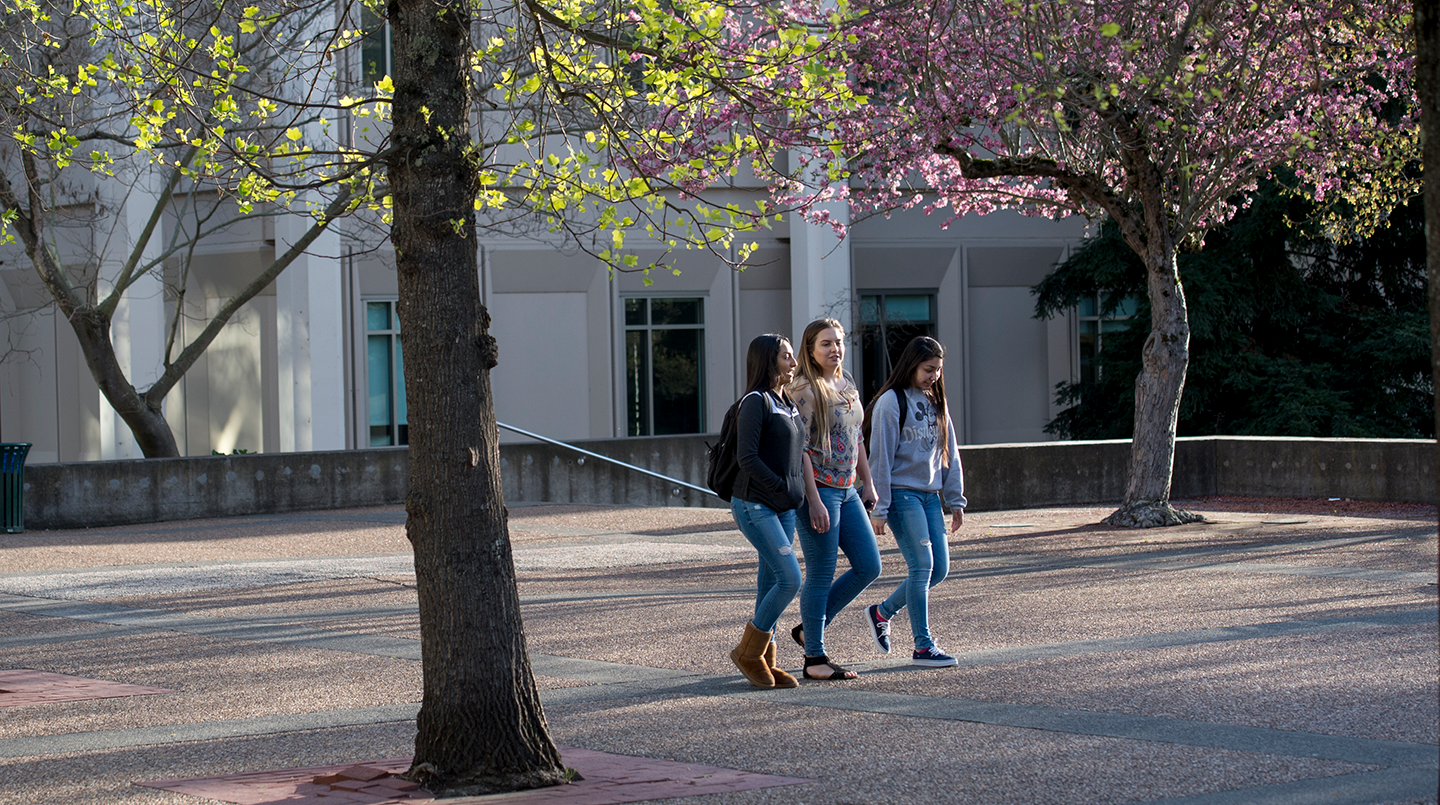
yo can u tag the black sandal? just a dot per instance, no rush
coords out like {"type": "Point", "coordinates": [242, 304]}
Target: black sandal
{"type": "Point", "coordinates": [798, 634]}
{"type": "Point", "coordinates": [837, 672]}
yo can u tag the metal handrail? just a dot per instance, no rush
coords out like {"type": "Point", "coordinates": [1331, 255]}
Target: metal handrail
{"type": "Point", "coordinates": [627, 466]}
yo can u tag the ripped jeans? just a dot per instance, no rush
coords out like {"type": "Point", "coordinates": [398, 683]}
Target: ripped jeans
{"type": "Point", "coordinates": [773, 535]}
{"type": "Point", "coordinates": [823, 596]}
{"type": "Point", "coordinates": [918, 524]}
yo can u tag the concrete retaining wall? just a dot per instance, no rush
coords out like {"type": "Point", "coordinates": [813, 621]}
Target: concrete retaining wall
{"type": "Point", "coordinates": [95, 493]}
{"type": "Point", "coordinates": [997, 477]}
{"type": "Point", "coordinates": [1399, 470]}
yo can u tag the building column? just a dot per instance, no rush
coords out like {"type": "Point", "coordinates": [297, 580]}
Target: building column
{"type": "Point", "coordinates": [310, 339]}
{"type": "Point", "coordinates": [820, 275]}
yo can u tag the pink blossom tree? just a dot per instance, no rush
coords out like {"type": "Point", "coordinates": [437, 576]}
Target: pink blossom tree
{"type": "Point", "coordinates": [1159, 114]}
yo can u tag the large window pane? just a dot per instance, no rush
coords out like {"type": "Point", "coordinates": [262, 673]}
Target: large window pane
{"type": "Point", "coordinates": [907, 308]}
{"type": "Point", "coordinates": [1091, 328]}
{"type": "Point", "coordinates": [635, 312]}
{"type": "Point", "coordinates": [637, 384]}
{"type": "Point", "coordinates": [378, 373]}
{"type": "Point", "coordinates": [402, 421]}
{"type": "Point", "coordinates": [1089, 345]}
{"type": "Point", "coordinates": [675, 311]}
{"type": "Point", "coordinates": [677, 359]}
{"type": "Point", "coordinates": [377, 315]}
{"type": "Point", "coordinates": [385, 375]}
{"type": "Point", "coordinates": [375, 49]}
{"type": "Point", "coordinates": [664, 353]}
{"type": "Point", "coordinates": [887, 323]}
{"type": "Point", "coordinates": [869, 309]}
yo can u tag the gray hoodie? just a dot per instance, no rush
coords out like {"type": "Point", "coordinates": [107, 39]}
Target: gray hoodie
{"type": "Point", "coordinates": [911, 459]}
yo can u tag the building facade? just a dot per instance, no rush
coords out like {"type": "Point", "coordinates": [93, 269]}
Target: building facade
{"type": "Point", "coordinates": [315, 362]}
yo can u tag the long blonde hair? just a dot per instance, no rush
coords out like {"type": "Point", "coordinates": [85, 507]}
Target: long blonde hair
{"type": "Point", "coordinates": [810, 372]}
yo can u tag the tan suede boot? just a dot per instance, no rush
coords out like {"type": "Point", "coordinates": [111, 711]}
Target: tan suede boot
{"type": "Point", "coordinates": [749, 657]}
{"type": "Point", "coordinates": [783, 679]}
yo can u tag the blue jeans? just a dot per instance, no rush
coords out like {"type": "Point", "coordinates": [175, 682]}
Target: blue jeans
{"type": "Point", "coordinates": [820, 599]}
{"type": "Point", "coordinates": [773, 535]}
{"type": "Point", "coordinates": [918, 524]}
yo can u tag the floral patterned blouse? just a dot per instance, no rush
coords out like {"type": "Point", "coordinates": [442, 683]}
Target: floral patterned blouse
{"type": "Point", "coordinates": [834, 459]}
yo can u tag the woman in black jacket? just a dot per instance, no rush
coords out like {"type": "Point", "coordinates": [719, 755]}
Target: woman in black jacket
{"type": "Point", "coordinates": [768, 489]}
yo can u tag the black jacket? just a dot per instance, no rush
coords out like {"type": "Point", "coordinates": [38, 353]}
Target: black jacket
{"type": "Point", "coordinates": [768, 446]}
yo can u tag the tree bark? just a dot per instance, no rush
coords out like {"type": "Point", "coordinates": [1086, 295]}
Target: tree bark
{"type": "Point", "coordinates": [1427, 86]}
{"type": "Point", "coordinates": [481, 728]}
{"type": "Point", "coordinates": [1158, 387]}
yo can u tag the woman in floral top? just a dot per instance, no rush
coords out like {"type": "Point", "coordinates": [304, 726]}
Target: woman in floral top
{"type": "Point", "coordinates": [834, 516]}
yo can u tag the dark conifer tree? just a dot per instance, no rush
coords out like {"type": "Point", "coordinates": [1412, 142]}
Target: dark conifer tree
{"type": "Point", "coordinates": [1291, 334]}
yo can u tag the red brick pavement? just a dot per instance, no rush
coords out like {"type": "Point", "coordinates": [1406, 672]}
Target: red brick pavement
{"type": "Point", "coordinates": [23, 686]}
{"type": "Point", "coordinates": [609, 780]}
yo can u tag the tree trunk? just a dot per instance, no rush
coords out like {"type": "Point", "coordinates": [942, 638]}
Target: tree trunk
{"type": "Point", "coordinates": [1427, 86]}
{"type": "Point", "coordinates": [151, 430]}
{"type": "Point", "coordinates": [481, 727]}
{"type": "Point", "coordinates": [1157, 399]}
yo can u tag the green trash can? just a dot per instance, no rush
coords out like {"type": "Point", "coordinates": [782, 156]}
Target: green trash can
{"type": "Point", "coordinates": [12, 486]}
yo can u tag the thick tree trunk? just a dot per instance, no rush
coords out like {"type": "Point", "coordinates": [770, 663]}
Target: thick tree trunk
{"type": "Point", "coordinates": [151, 430]}
{"type": "Point", "coordinates": [1157, 400]}
{"type": "Point", "coordinates": [481, 727]}
{"type": "Point", "coordinates": [1427, 86]}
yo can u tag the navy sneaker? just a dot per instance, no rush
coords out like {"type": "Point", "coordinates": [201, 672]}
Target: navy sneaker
{"type": "Point", "coordinates": [932, 658]}
{"type": "Point", "coordinates": [879, 628]}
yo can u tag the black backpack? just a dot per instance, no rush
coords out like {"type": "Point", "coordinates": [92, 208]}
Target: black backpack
{"type": "Point", "coordinates": [904, 409]}
{"type": "Point", "coordinates": [723, 466]}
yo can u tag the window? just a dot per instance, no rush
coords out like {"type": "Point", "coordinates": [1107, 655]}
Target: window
{"type": "Point", "coordinates": [374, 48]}
{"type": "Point", "coordinates": [1092, 329]}
{"type": "Point", "coordinates": [664, 353]}
{"type": "Point", "coordinates": [385, 375]}
{"type": "Point", "coordinates": [887, 323]}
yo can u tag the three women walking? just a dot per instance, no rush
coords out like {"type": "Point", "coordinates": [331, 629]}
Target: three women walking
{"type": "Point", "coordinates": [799, 445]}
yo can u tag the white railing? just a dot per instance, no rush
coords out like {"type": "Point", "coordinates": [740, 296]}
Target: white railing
{"type": "Point", "coordinates": [626, 465]}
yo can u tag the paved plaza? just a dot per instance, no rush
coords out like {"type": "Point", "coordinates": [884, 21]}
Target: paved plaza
{"type": "Point", "coordinates": [1281, 652]}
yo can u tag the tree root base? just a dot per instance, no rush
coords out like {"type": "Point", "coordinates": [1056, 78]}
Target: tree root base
{"type": "Point", "coordinates": [1151, 514]}
{"type": "Point", "coordinates": [482, 785]}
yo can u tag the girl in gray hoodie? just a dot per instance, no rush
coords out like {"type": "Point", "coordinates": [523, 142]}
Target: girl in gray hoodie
{"type": "Point", "coordinates": [914, 461]}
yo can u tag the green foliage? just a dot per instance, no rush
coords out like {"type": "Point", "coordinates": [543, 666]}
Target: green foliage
{"type": "Point", "coordinates": [1291, 334]}
{"type": "Point", "coordinates": [587, 108]}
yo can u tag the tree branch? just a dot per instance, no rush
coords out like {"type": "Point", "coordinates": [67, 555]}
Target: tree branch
{"type": "Point", "coordinates": [192, 352]}
{"type": "Point", "coordinates": [128, 273]}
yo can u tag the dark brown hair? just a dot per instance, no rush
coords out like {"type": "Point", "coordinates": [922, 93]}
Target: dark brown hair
{"type": "Point", "coordinates": [902, 376]}
{"type": "Point", "coordinates": [762, 363]}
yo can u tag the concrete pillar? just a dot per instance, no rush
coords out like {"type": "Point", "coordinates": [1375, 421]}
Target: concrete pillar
{"type": "Point", "coordinates": [310, 339]}
{"type": "Point", "coordinates": [820, 276]}
{"type": "Point", "coordinates": [138, 327]}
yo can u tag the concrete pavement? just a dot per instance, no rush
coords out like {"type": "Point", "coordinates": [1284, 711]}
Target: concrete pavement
{"type": "Point", "coordinates": [1282, 652]}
